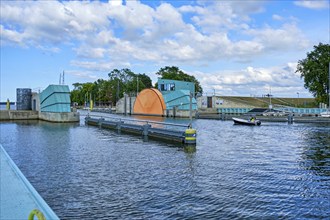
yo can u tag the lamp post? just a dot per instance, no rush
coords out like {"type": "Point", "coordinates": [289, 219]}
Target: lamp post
{"type": "Point", "coordinates": [190, 107]}
{"type": "Point", "coordinates": [297, 99]}
{"type": "Point", "coordinates": [329, 88]}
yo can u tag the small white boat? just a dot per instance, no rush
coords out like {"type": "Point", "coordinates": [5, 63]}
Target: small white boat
{"type": "Point", "coordinates": [325, 114]}
{"type": "Point", "coordinates": [240, 121]}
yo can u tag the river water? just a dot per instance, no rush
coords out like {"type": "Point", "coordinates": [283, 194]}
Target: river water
{"type": "Point", "coordinates": [272, 171]}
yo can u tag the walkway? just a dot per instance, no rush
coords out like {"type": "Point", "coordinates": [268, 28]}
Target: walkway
{"type": "Point", "coordinates": [17, 196]}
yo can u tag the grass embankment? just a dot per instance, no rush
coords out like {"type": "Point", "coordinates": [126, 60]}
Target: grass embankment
{"type": "Point", "coordinates": [263, 102]}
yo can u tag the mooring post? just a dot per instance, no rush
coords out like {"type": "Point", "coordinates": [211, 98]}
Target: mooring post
{"type": "Point", "coordinates": [119, 125]}
{"type": "Point", "coordinates": [101, 120]}
{"type": "Point", "coordinates": [190, 136]}
{"type": "Point", "coordinates": [146, 129]}
{"type": "Point", "coordinates": [223, 116]}
{"type": "Point", "coordinates": [290, 118]}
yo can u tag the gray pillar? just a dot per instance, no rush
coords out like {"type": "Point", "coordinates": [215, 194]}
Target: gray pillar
{"type": "Point", "coordinates": [125, 104]}
{"type": "Point", "coordinates": [290, 118]}
{"type": "Point", "coordinates": [146, 129]}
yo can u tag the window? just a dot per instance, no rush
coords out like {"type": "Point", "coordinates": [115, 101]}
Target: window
{"type": "Point", "coordinates": [167, 87]}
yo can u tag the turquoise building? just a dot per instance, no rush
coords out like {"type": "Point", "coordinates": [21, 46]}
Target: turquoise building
{"type": "Point", "coordinates": [55, 98]}
{"type": "Point", "coordinates": [177, 94]}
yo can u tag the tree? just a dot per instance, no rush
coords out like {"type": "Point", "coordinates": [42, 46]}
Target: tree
{"type": "Point", "coordinates": [128, 81]}
{"type": "Point", "coordinates": [175, 73]}
{"type": "Point", "coordinates": [314, 69]}
{"type": "Point", "coordinates": [111, 90]}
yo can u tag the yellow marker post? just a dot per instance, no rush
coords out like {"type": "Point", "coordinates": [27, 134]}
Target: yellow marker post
{"type": "Point", "coordinates": [91, 105]}
{"type": "Point", "coordinates": [8, 104]}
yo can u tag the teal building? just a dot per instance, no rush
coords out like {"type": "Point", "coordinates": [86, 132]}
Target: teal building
{"type": "Point", "coordinates": [55, 98]}
{"type": "Point", "coordinates": [177, 94]}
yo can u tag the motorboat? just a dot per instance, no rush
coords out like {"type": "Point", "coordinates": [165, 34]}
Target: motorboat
{"type": "Point", "coordinates": [241, 121]}
{"type": "Point", "coordinates": [325, 114]}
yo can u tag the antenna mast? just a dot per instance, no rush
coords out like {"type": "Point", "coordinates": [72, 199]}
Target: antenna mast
{"type": "Point", "coordinates": [63, 78]}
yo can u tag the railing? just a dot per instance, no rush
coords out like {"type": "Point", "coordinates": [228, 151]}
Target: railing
{"type": "Point", "coordinates": [139, 121]}
{"type": "Point", "coordinates": [145, 128]}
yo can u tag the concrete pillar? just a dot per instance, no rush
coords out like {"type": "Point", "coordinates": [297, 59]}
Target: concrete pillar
{"type": "Point", "coordinates": [146, 129]}
{"type": "Point", "coordinates": [290, 118]}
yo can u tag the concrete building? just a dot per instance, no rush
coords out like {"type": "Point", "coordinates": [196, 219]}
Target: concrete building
{"type": "Point", "coordinates": [55, 98]}
{"type": "Point", "coordinates": [177, 94]}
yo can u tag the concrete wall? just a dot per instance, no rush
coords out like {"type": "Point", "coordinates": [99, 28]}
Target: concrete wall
{"type": "Point", "coordinates": [18, 115]}
{"type": "Point", "coordinates": [220, 102]}
{"type": "Point", "coordinates": [120, 106]}
{"type": "Point", "coordinates": [34, 115]}
{"type": "Point", "coordinates": [59, 116]}
{"type": "Point", "coordinates": [35, 102]}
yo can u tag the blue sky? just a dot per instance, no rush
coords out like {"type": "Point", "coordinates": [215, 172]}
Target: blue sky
{"type": "Point", "coordinates": [232, 47]}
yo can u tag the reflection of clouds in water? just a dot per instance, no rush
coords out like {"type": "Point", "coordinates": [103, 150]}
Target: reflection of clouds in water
{"type": "Point", "coordinates": [316, 152]}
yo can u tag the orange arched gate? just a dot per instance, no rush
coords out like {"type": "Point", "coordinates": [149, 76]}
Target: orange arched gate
{"type": "Point", "coordinates": [149, 101]}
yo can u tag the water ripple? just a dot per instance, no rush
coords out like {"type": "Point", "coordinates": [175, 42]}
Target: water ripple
{"type": "Point", "coordinates": [267, 172]}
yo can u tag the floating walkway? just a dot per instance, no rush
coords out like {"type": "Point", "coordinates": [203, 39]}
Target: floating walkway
{"type": "Point", "coordinates": [19, 200]}
{"type": "Point", "coordinates": [158, 130]}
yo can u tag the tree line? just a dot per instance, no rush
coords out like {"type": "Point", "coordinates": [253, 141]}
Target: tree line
{"type": "Point", "coordinates": [315, 71]}
{"type": "Point", "coordinates": [124, 81]}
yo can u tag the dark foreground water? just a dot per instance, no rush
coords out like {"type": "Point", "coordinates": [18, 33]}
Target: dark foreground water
{"type": "Point", "coordinates": [272, 171]}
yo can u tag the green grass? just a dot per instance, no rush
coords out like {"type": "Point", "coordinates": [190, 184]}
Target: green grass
{"type": "Point", "coordinates": [263, 102]}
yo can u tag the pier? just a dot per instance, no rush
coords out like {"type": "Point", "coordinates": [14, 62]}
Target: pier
{"type": "Point", "coordinates": [288, 118]}
{"type": "Point", "coordinates": [179, 133]}
{"type": "Point", "coordinates": [19, 199]}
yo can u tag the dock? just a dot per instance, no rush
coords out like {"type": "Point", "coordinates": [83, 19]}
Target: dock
{"type": "Point", "coordinates": [286, 119]}
{"type": "Point", "coordinates": [179, 133]}
{"type": "Point", "coordinates": [18, 197]}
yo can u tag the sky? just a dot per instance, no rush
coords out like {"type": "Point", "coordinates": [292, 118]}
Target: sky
{"type": "Point", "coordinates": [236, 48]}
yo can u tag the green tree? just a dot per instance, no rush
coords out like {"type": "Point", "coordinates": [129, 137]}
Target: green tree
{"type": "Point", "coordinates": [111, 90]}
{"type": "Point", "coordinates": [314, 69]}
{"type": "Point", "coordinates": [126, 81]}
{"type": "Point", "coordinates": [173, 72]}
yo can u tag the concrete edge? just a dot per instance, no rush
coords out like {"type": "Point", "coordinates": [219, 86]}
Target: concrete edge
{"type": "Point", "coordinates": [42, 205]}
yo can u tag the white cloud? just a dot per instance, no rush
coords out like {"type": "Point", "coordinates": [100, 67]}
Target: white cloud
{"type": "Point", "coordinates": [115, 2]}
{"type": "Point", "coordinates": [277, 17]}
{"type": "Point", "coordinates": [286, 37]}
{"type": "Point", "coordinates": [82, 74]}
{"type": "Point", "coordinates": [100, 66]}
{"type": "Point", "coordinates": [113, 35]}
{"type": "Point", "coordinates": [254, 81]}
{"type": "Point", "coordinates": [314, 4]}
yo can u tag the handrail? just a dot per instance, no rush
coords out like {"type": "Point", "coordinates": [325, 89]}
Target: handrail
{"type": "Point", "coordinates": [145, 121]}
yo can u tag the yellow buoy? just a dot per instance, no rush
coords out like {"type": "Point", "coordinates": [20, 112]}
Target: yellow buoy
{"type": "Point", "coordinates": [36, 212]}
{"type": "Point", "coordinates": [190, 136]}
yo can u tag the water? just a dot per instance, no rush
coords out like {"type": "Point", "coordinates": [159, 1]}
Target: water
{"type": "Point", "coordinates": [272, 171]}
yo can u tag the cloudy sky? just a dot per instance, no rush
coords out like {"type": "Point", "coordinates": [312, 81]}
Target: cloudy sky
{"type": "Point", "coordinates": [238, 47]}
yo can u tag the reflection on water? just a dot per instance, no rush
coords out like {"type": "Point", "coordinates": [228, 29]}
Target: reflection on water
{"type": "Point", "coordinates": [316, 151]}
{"type": "Point", "coordinates": [272, 171]}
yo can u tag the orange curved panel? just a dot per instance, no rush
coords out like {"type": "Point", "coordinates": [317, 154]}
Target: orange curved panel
{"type": "Point", "coordinates": [149, 101]}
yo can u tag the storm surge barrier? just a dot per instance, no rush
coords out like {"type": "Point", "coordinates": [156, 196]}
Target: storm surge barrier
{"type": "Point", "coordinates": [179, 133]}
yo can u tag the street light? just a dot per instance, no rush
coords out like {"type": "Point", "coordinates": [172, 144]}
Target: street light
{"type": "Point", "coordinates": [297, 99]}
